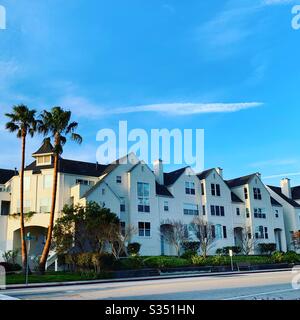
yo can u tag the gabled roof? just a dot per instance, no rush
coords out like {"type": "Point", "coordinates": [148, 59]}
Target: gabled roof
{"type": "Point", "coordinates": [46, 148]}
{"type": "Point", "coordinates": [296, 193]}
{"type": "Point", "coordinates": [6, 175]}
{"type": "Point", "coordinates": [204, 174]}
{"type": "Point", "coordinates": [72, 167]}
{"type": "Point", "coordinates": [288, 200]}
{"type": "Point", "coordinates": [163, 191]}
{"type": "Point", "coordinates": [275, 203]}
{"type": "Point", "coordinates": [235, 198]}
{"type": "Point", "coordinates": [171, 177]}
{"type": "Point", "coordinates": [240, 181]}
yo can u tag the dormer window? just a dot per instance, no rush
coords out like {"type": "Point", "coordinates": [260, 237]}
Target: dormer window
{"type": "Point", "coordinates": [43, 160]}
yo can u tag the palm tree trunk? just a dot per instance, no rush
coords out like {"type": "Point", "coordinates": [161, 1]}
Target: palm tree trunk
{"type": "Point", "coordinates": [23, 241]}
{"type": "Point", "coordinates": [44, 257]}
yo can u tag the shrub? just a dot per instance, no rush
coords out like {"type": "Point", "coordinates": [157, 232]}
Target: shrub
{"type": "Point", "coordinates": [267, 248]}
{"type": "Point", "coordinates": [165, 262]}
{"type": "Point", "coordinates": [198, 260]}
{"type": "Point", "coordinates": [10, 267]}
{"type": "Point", "coordinates": [278, 257]}
{"type": "Point", "coordinates": [191, 246]}
{"type": "Point", "coordinates": [134, 248]}
{"type": "Point", "coordinates": [188, 254]}
{"type": "Point", "coordinates": [130, 263]}
{"type": "Point", "coordinates": [291, 257]}
{"type": "Point", "coordinates": [102, 261]}
{"type": "Point", "coordinates": [10, 256]}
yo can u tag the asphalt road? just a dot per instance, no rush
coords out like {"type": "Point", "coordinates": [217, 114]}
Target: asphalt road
{"type": "Point", "coordinates": [258, 286]}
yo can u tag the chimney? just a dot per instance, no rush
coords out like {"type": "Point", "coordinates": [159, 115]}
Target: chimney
{"type": "Point", "coordinates": [286, 187]}
{"type": "Point", "coordinates": [159, 171]}
{"type": "Point", "coordinates": [97, 165]}
{"type": "Point", "coordinates": [220, 171]}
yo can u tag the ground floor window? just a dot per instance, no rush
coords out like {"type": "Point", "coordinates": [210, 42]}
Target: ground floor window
{"type": "Point", "coordinates": [144, 229]}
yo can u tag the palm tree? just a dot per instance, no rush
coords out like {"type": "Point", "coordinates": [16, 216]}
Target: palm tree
{"type": "Point", "coordinates": [56, 125]}
{"type": "Point", "coordinates": [23, 122]}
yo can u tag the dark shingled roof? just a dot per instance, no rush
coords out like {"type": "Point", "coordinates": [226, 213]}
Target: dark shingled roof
{"type": "Point", "coordinates": [296, 193]}
{"type": "Point", "coordinates": [6, 175]}
{"type": "Point", "coordinates": [235, 198]}
{"type": "Point", "coordinates": [288, 200]}
{"type": "Point", "coordinates": [240, 181]}
{"type": "Point", "coordinates": [275, 202]}
{"type": "Point", "coordinates": [171, 177]}
{"type": "Point", "coordinates": [163, 191]}
{"type": "Point", "coordinates": [202, 175]}
{"type": "Point", "coordinates": [74, 167]}
{"type": "Point", "coordinates": [45, 148]}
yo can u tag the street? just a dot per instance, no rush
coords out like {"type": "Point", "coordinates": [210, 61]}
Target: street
{"type": "Point", "coordinates": [256, 286]}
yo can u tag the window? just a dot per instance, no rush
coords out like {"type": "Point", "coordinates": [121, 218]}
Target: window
{"type": "Point", "coordinates": [190, 209]}
{"type": "Point", "coordinates": [257, 193]}
{"type": "Point", "coordinates": [217, 211]}
{"type": "Point", "coordinates": [202, 189]}
{"type": "Point", "coordinates": [247, 213]}
{"type": "Point", "coordinates": [123, 228]}
{"type": "Point", "coordinates": [144, 229]}
{"type": "Point", "coordinates": [258, 213]}
{"type": "Point", "coordinates": [224, 232]}
{"type": "Point", "coordinates": [276, 214]}
{"type": "Point", "coordinates": [218, 190]}
{"type": "Point", "coordinates": [84, 182]}
{"type": "Point", "coordinates": [213, 189]}
{"type": "Point", "coordinates": [45, 205]}
{"type": "Point", "coordinates": [119, 179]}
{"type": "Point", "coordinates": [47, 181]}
{"type": "Point", "coordinates": [190, 188]}
{"type": "Point", "coordinates": [266, 233]}
{"type": "Point", "coordinates": [122, 205]}
{"type": "Point", "coordinates": [26, 183]}
{"type": "Point", "coordinates": [259, 234]}
{"type": "Point", "coordinates": [103, 192]}
{"type": "Point", "coordinates": [43, 160]}
{"type": "Point", "coordinates": [246, 193]}
{"type": "Point", "coordinates": [166, 206]}
{"type": "Point", "coordinates": [204, 210]}
{"type": "Point", "coordinates": [143, 197]}
{"type": "Point", "coordinates": [238, 211]}
{"type": "Point", "coordinates": [213, 232]}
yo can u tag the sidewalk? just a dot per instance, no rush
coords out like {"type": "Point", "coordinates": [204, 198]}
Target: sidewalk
{"type": "Point", "coordinates": [166, 276]}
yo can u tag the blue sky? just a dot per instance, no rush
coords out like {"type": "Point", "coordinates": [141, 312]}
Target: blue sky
{"type": "Point", "coordinates": [105, 59]}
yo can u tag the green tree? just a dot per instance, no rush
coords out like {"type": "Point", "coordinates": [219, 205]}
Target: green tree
{"type": "Point", "coordinates": [56, 125]}
{"type": "Point", "coordinates": [84, 228]}
{"type": "Point", "coordinates": [23, 122]}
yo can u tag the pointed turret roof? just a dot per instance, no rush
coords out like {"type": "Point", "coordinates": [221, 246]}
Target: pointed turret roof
{"type": "Point", "coordinates": [46, 148]}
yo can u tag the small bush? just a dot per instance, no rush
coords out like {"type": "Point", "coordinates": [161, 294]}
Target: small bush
{"type": "Point", "coordinates": [130, 263]}
{"type": "Point", "coordinates": [198, 260]}
{"type": "Point", "coordinates": [291, 257]}
{"type": "Point", "coordinates": [188, 254]}
{"type": "Point", "coordinates": [267, 248]}
{"type": "Point", "coordinates": [134, 248]}
{"type": "Point", "coordinates": [278, 257]}
{"type": "Point", "coordinates": [10, 267]}
{"type": "Point", "coordinates": [165, 262]}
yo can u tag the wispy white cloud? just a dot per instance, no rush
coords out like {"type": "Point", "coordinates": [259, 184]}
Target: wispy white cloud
{"type": "Point", "coordinates": [276, 2]}
{"type": "Point", "coordinates": [82, 107]}
{"type": "Point", "coordinates": [189, 108]}
{"type": "Point", "coordinates": [283, 175]}
{"type": "Point", "coordinates": [273, 162]}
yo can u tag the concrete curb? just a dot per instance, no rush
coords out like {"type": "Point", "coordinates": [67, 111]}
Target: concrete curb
{"type": "Point", "coordinates": [162, 277]}
{"type": "Point", "coordinates": [3, 297]}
